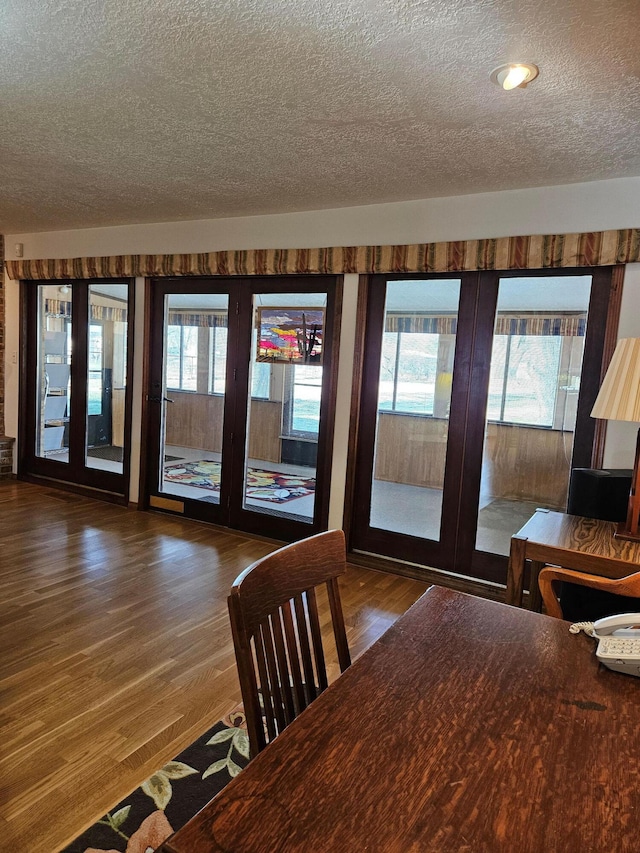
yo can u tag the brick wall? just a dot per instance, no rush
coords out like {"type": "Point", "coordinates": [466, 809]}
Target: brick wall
{"type": "Point", "coordinates": [6, 444]}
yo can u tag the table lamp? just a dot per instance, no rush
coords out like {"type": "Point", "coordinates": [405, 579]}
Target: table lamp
{"type": "Point", "coordinates": [619, 400]}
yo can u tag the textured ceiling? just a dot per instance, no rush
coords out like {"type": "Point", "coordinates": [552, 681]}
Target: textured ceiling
{"type": "Point", "coordinates": [125, 111]}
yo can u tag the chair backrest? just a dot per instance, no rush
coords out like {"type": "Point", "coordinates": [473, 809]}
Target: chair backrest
{"type": "Point", "coordinates": [277, 633]}
{"type": "Point", "coordinates": [550, 577]}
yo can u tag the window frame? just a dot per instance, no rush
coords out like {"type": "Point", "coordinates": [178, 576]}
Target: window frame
{"type": "Point", "coordinates": [181, 358]}
{"type": "Point", "coordinates": [395, 409]}
{"type": "Point", "coordinates": [288, 413]}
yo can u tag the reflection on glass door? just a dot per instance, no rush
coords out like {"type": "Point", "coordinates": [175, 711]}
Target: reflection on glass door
{"type": "Point", "coordinates": [193, 395]}
{"type": "Point", "coordinates": [76, 403]}
{"type": "Point", "coordinates": [412, 412]}
{"type": "Point", "coordinates": [107, 331]}
{"type": "Point", "coordinates": [241, 394]}
{"type": "Point", "coordinates": [474, 407]}
{"type": "Point", "coordinates": [53, 381]}
{"type": "Point", "coordinates": [536, 365]}
{"type": "Point", "coordinates": [283, 413]}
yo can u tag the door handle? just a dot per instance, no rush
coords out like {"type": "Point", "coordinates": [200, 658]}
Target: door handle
{"type": "Point", "coordinates": [157, 399]}
{"type": "Point", "coordinates": [167, 400]}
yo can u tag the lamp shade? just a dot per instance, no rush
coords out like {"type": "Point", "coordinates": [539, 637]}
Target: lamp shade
{"type": "Point", "coordinates": [619, 395]}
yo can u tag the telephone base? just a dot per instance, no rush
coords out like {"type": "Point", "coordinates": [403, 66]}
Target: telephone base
{"type": "Point", "coordinates": [628, 668]}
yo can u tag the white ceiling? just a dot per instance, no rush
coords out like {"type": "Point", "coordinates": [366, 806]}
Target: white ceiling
{"type": "Point", "coordinates": [126, 111]}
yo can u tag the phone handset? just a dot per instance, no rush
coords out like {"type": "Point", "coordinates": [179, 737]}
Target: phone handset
{"type": "Point", "coordinates": [619, 641]}
{"type": "Point", "coordinates": [622, 625]}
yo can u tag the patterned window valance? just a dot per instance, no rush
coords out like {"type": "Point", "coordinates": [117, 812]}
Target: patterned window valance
{"type": "Point", "coordinates": [208, 319]}
{"type": "Point", "coordinates": [62, 308]}
{"type": "Point", "coordinates": [444, 324]}
{"type": "Point", "coordinates": [564, 325]}
{"type": "Point", "coordinates": [549, 251]}
{"type": "Point", "coordinates": [57, 307]}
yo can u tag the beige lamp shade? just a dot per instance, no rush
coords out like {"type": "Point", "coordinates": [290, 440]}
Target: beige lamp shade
{"type": "Point", "coordinates": [619, 395]}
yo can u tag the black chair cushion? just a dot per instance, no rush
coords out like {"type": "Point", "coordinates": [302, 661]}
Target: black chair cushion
{"type": "Point", "coordinates": [583, 604]}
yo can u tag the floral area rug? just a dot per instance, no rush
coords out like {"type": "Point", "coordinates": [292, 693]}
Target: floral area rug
{"type": "Point", "coordinates": [271, 486]}
{"type": "Point", "coordinates": [173, 795]}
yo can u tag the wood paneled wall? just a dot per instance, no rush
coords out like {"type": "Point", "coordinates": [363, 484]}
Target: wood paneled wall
{"type": "Point", "coordinates": [117, 416]}
{"type": "Point", "coordinates": [264, 430]}
{"type": "Point", "coordinates": [521, 463]}
{"type": "Point", "coordinates": [195, 420]}
{"type": "Point", "coordinates": [411, 450]}
{"type": "Point", "coordinates": [524, 463]}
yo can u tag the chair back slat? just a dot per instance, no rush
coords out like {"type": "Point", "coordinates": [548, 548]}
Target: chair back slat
{"type": "Point", "coordinates": [274, 686]}
{"type": "Point", "coordinates": [263, 703]}
{"type": "Point", "coordinates": [284, 670]}
{"type": "Point", "coordinates": [277, 633]}
{"type": "Point", "coordinates": [249, 655]}
{"type": "Point", "coordinates": [305, 645]}
{"type": "Point", "coordinates": [295, 665]}
{"type": "Point", "coordinates": [316, 640]}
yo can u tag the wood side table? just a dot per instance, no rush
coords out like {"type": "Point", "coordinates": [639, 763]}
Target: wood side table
{"type": "Point", "coordinates": [555, 538]}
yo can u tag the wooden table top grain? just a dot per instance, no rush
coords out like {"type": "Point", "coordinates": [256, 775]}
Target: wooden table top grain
{"type": "Point", "coordinates": [572, 541]}
{"type": "Point", "coordinates": [469, 726]}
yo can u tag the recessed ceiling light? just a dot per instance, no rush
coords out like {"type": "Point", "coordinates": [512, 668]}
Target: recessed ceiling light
{"type": "Point", "coordinates": [514, 76]}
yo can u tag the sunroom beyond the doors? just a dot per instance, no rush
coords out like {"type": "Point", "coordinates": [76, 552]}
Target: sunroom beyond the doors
{"type": "Point", "coordinates": [470, 410]}
{"type": "Point", "coordinates": [241, 392]}
{"type": "Point", "coordinates": [534, 382]}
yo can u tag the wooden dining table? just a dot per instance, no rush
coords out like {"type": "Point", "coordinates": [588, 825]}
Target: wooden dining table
{"type": "Point", "coordinates": [468, 726]}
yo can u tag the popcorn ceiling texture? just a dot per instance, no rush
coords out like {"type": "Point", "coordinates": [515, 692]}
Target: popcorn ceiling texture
{"type": "Point", "coordinates": [161, 110]}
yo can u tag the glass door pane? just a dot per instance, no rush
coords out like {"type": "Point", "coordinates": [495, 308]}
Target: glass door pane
{"type": "Point", "coordinates": [283, 415]}
{"type": "Point", "coordinates": [534, 383]}
{"type": "Point", "coordinates": [412, 413]}
{"type": "Point", "coordinates": [53, 386]}
{"type": "Point", "coordinates": [193, 395]}
{"type": "Point", "coordinates": [107, 326]}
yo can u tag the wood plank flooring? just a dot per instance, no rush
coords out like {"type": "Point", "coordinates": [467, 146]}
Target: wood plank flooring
{"type": "Point", "coordinates": [116, 651]}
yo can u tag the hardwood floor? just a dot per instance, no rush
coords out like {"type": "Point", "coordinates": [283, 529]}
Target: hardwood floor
{"type": "Point", "coordinates": [116, 650]}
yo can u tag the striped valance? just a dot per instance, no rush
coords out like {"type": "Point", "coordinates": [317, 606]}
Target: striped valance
{"type": "Point", "coordinates": [207, 319]}
{"type": "Point", "coordinates": [424, 324]}
{"type": "Point", "coordinates": [62, 308]}
{"type": "Point", "coordinates": [57, 307]}
{"type": "Point", "coordinates": [549, 251]}
{"type": "Point", "coordinates": [564, 325]}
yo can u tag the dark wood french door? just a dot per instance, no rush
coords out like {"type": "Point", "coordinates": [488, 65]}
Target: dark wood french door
{"type": "Point", "coordinates": [475, 401]}
{"type": "Point", "coordinates": [240, 400]}
{"type": "Point", "coordinates": [76, 393]}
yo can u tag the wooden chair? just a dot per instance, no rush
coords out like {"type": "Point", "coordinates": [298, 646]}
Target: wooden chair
{"type": "Point", "coordinates": [276, 631]}
{"type": "Point", "coordinates": [551, 575]}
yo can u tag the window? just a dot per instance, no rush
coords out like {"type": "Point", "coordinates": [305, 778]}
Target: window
{"type": "Point", "coordinates": [218, 359]}
{"type": "Point", "coordinates": [524, 380]}
{"type": "Point", "coordinates": [182, 357]}
{"type": "Point", "coordinates": [408, 372]}
{"type": "Point", "coordinates": [260, 371]}
{"type": "Point", "coordinates": [302, 415]}
{"type": "Point", "coordinates": [260, 380]}
{"type": "Point", "coordinates": [94, 391]}
{"type": "Point", "coordinates": [532, 376]}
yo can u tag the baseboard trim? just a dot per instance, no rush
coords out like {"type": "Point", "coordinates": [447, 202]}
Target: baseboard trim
{"type": "Point", "coordinates": [74, 488]}
{"type": "Point", "coordinates": [483, 589]}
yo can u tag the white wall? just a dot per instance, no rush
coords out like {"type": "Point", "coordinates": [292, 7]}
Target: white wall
{"type": "Point", "coordinates": [596, 206]}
